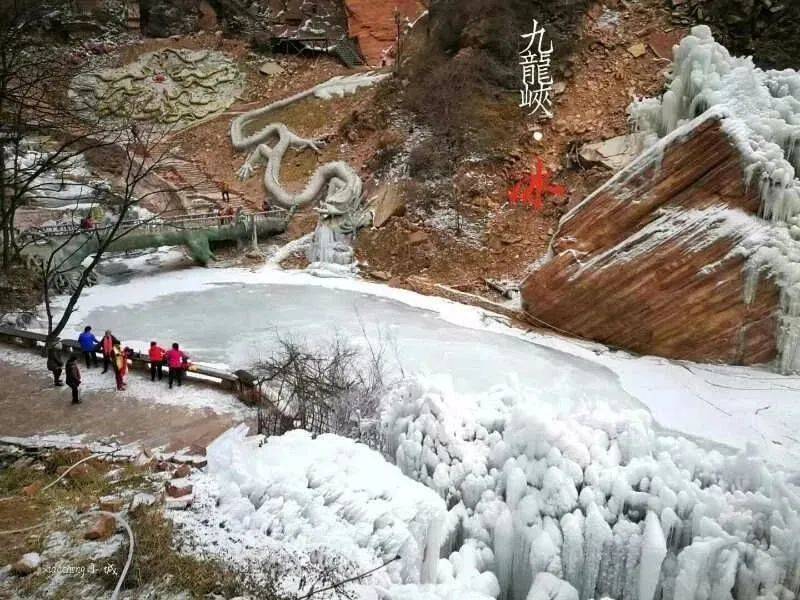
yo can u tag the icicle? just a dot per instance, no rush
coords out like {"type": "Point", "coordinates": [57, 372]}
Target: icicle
{"type": "Point", "coordinates": [504, 551]}
{"type": "Point", "coordinates": [597, 533]}
{"type": "Point", "coordinates": [654, 549]}
{"type": "Point", "coordinates": [572, 550]}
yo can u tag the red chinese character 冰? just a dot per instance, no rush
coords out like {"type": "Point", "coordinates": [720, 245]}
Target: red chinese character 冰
{"type": "Point", "coordinates": [531, 192]}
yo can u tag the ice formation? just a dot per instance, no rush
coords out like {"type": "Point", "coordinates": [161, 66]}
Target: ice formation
{"type": "Point", "coordinates": [596, 504]}
{"type": "Point", "coordinates": [68, 185]}
{"type": "Point", "coordinates": [330, 493]}
{"type": "Point", "coordinates": [760, 110]}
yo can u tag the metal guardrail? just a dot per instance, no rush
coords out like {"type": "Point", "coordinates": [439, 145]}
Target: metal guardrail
{"type": "Point", "coordinates": [202, 221]}
{"type": "Point", "coordinates": [231, 381]}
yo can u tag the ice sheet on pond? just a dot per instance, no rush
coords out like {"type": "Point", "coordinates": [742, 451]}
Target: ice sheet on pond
{"type": "Point", "coordinates": [735, 406]}
{"type": "Point", "coordinates": [235, 324]}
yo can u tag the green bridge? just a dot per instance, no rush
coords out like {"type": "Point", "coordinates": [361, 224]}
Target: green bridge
{"type": "Point", "coordinates": [69, 246]}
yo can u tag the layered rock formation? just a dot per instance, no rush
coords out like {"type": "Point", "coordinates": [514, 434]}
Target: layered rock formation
{"type": "Point", "coordinates": [693, 250]}
{"type": "Point", "coordinates": [373, 24]}
{"type": "Point", "coordinates": [646, 262]}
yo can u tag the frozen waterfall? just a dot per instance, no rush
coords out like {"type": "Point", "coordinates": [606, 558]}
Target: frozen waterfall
{"type": "Point", "coordinates": [596, 504]}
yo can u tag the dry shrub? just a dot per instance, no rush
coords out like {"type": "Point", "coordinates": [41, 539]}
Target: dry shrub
{"type": "Point", "coordinates": [428, 159]}
{"type": "Point", "coordinates": [337, 378]}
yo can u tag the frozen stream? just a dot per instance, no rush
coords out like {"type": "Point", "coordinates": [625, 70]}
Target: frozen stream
{"type": "Point", "coordinates": [234, 323]}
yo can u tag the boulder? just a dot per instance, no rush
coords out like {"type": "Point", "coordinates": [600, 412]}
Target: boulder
{"type": "Point", "coordinates": [387, 202]}
{"type": "Point", "coordinates": [649, 261]}
{"type": "Point", "coordinates": [178, 488]}
{"type": "Point", "coordinates": [270, 67]}
{"type": "Point", "coordinates": [27, 564]}
{"type": "Point", "coordinates": [614, 153]}
{"type": "Point", "coordinates": [114, 475]}
{"type": "Point", "coordinates": [111, 503]}
{"type": "Point", "coordinates": [182, 471]}
{"type": "Point", "coordinates": [142, 499]}
{"type": "Point", "coordinates": [636, 50]}
{"type": "Point", "coordinates": [102, 529]}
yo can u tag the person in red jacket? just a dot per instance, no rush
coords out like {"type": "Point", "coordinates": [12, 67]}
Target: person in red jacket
{"type": "Point", "coordinates": [175, 358]}
{"type": "Point", "coordinates": [157, 355]}
{"type": "Point", "coordinates": [107, 347]}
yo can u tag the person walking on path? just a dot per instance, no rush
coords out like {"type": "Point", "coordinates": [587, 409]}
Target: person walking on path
{"type": "Point", "coordinates": [55, 364]}
{"type": "Point", "coordinates": [175, 358]}
{"type": "Point", "coordinates": [73, 377]}
{"type": "Point", "coordinates": [226, 192]}
{"type": "Point", "coordinates": [89, 345]}
{"type": "Point", "coordinates": [156, 355]}
{"type": "Point", "coordinates": [107, 347]}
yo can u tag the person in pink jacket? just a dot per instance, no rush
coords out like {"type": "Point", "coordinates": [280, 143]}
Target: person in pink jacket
{"type": "Point", "coordinates": [175, 359]}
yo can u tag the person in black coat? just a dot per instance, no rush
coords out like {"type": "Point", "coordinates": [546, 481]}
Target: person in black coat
{"type": "Point", "coordinates": [73, 377]}
{"type": "Point", "coordinates": [55, 364]}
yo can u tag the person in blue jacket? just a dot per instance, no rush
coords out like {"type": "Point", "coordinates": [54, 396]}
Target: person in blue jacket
{"type": "Point", "coordinates": [89, 345]}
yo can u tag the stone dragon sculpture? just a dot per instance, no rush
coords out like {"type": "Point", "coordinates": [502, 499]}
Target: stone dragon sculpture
{"type": "Point", "coordinates": [340, 210]}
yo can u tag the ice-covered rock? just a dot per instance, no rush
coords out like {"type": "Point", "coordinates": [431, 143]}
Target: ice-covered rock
{"type": "Point", "coordinates": [760, 111]}
{"type": "Point", "coordinates": [692, 251]}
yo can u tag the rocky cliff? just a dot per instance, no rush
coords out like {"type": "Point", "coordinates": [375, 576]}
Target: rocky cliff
{"type": "Point", "coordinates": [647, 262]}
{"type": "Point", "coordinates": [766, 29]}
{"type": "Point", "coordinates": [163, 18]}
{"type": "Point", "coordinates": [693, 250]}
{"type": "Point", "coordinates": [373, 24]}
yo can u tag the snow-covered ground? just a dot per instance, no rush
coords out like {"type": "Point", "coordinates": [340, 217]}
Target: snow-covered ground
{"type": "Point", "coordinates": [228, 316]}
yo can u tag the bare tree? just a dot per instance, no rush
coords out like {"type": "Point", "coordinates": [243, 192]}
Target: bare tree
{"type": "Point", "coordinates": [333, 387]}
{"type": "Point", "coordinates": [34, 78]}
{"type": "Point", "coordinates": [140, 152]}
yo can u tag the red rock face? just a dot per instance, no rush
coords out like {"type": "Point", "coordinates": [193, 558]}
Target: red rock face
{"type": "Point", "coordinates": [373, 23]}
{"type": "Point", "coordinates": [645, 263]}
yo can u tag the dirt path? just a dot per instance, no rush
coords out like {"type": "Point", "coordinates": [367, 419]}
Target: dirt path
{"type": "Point", "coordinates": [30, 405]}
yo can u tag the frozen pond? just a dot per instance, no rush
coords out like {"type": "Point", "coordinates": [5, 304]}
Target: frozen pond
{"type": "Point", "coordinates": [233, 323]}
